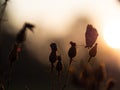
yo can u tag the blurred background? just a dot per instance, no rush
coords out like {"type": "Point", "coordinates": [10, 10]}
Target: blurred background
{"type": "Point", "coordinates": [59, 21]}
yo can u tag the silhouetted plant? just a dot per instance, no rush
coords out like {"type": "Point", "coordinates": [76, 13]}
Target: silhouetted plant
{"type": "Point", "coordinates": [53, 55]}
{"type": "Point", "coordinates": [90, 78]}
{"type": "Point", "coordinates": [13, 56]}
{"type": "Point", "coordinates": [90, 36]}
{"type": "Point", "coordinates": [87, 77]}
{"type": "Point", "coordinates": [92, 52]}
{"type": "Point", "coordinates": [16, 49]}
{"type": "Point", "coordinates": [72, 52]}
{"type": "Point", "coordinates": [21, 36]}
{"type": "Point", "coordinates": [53, 58]}
{"type": "Point", "coordinates": [59, 66]}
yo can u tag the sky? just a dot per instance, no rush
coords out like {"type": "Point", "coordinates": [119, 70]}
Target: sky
{"type": "Point", "coordinates": [59, 21]}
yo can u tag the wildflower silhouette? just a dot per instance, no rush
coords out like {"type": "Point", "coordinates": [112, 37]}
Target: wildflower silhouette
{"type": "Point", "coordinates": [59, 66]}
{"type": "Point", "coordinates": [90, 36]}
{"type": "Point", "coordinates": [92, 52]}
{"type": "Point", "coordinates": [21, 36]}
{"type": "Point", "coordinates": [13, 56]}
{"type": "Point", "coordinates": [72, 52]}
{"type": "Point", "coordinates": [53, 58]}
{"type": "Point", "coordinates": [53, 55]}
{"type": "Point", "coordinates": [16, 49]}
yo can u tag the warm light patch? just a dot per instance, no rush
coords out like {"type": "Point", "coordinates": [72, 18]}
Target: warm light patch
{"type": "Point", "coordinates": [112, 34]}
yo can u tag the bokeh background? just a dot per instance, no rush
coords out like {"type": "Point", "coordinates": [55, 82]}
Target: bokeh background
{"type": "Point", "coordinates": [59, 21]}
